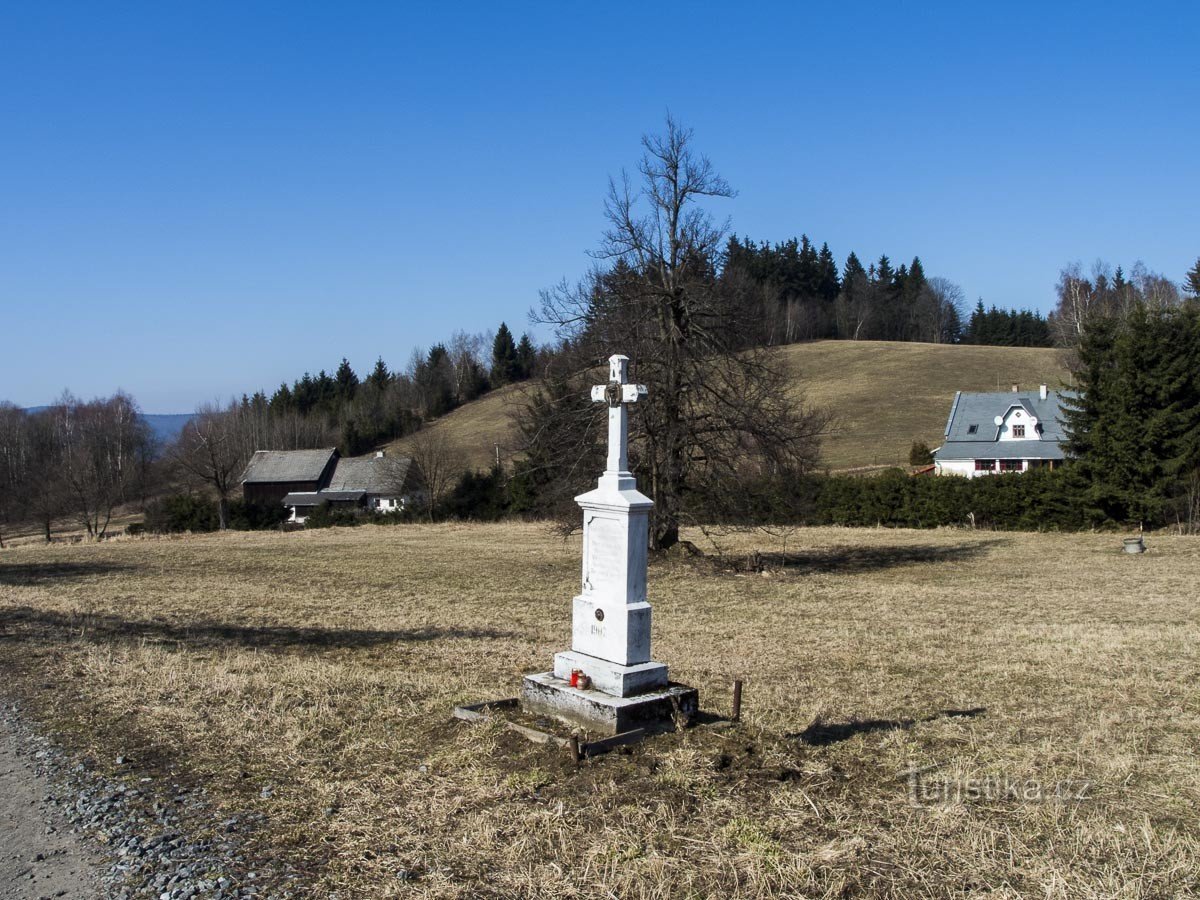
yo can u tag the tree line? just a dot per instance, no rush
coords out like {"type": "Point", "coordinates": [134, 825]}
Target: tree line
{"type": "Point", "coordinates": [358, 413]}
{"type": "Point", "coordinates": [74, 459]}
{"type": "Point", "coordinates": [80, 461]}
{"type": "Point", "coordinates": [795, 292]}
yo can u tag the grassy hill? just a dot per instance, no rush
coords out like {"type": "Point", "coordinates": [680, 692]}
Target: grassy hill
{"type": "Point", "coordinates": [883, 395]}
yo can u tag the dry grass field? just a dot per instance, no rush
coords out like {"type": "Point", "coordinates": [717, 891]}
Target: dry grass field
{"type": "Point", "coordinates": [885, 395]}
{"type": "Point", "coordinates": [309, 678]}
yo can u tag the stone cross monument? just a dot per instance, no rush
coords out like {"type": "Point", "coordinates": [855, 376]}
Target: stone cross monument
{"type": "Point", "coordinates": [610, 627]}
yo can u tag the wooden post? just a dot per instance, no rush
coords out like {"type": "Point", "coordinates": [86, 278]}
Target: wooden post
{"type": "Point", "coordinates": [575, 749]}
{"type": "Point", "coordinates": [736, 714]}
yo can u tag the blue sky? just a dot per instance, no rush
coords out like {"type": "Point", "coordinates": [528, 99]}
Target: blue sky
{"type": "Point", "coordinates": [201, 199]}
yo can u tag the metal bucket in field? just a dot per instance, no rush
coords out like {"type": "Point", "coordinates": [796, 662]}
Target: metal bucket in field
{"type": "Point", "coordinates": [1135, 544]}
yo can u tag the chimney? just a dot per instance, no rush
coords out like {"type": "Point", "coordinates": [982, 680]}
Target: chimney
{"type": "Point", "coordinates": [1016, 388]}
{"type": "Point", "coordinates": [1043, 392]}
{"type": "Point", "coordinates": [379, 454]}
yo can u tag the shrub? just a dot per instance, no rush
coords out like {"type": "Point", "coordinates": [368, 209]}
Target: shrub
{"type": "Point", "coordinates": [329, 516]}
{"type": "Point", "coordinates": [920, 454]}
{"type": "Point", "coordinates": [246, 516]}
{"type": "Point", "coordinates": [182, 512]}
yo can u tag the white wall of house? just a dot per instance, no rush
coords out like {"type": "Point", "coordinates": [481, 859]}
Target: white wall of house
{"type": "Point", "coordinates": [964, 467]}
{"type": "Point", "coordinates": [967, 468]}
{"type": "Point", "coordinates": [385, 503]}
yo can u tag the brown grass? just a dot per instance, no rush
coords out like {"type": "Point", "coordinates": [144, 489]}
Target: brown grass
{"type": "Point", "coordinates": [325, 664]}
{"type": "Point", "coordinates": [885, 395]}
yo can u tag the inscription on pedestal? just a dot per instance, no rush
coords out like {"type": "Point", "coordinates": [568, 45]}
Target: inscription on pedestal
{"type": "Point", "coordinates": [606, 555]}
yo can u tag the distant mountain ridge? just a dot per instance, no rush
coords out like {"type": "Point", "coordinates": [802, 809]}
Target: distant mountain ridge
{"type": "Point", "coordinates": [164, 426]}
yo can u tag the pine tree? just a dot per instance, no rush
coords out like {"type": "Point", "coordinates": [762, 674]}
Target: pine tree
{"type": "Point", "coordinates": [526, 357]}
{"type": "Point", "coordinates": [852, 272]}
{"type": "Point", "coordinates": [975, 328]}
{"type": "Point", "coordinates": [347, 381]}
{"type": "Point", "coordinates": [1191, 284]}
{"type": "Point", "coordinates": [380, 377]}
{"type": "Point", "coordinates": [505, 365]}
{"type": "Point", "coordinates": [1134, 427]}
{"type": "Point", "coordinates": [827, 277]}
{"type": "Point", "coordinates": [281, 400]}
{"type": "Point", "coordinates": [808, 270]}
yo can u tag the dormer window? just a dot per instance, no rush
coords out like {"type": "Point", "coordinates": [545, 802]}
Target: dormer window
{"type": "Point", "coordinates": [972, 429]}
{"type": "Point", "coordinates": [1018, 431]}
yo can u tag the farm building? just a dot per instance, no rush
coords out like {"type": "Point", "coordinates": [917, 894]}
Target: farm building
{"type": "Point", "coordinates": [304, 479]}
{"type": "Point", "coordinates": [995, 432]}
{"type": "Point", "coordinates": [273, 474]}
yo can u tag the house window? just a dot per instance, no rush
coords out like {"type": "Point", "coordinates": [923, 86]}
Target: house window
{"type": "Point", "coordinates": [1018, 431]}
{"type": "Point", "coordinates": [1010, 465]}
{"type": "Point", "coordinates": [985, 465]}
{"type": "Point", "coordinates": [972, 429]}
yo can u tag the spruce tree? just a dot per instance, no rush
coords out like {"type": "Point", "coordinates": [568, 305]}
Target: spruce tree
{"type": "Point", "coordinates": [347, 381]}
{"type": "Point", "coordinates": [828, 284]}
{"type": "Point", "coordinates": [1134, 427]}
{"type": "Point", "coordinates": [380, 377]}
{"type": "Point", "coordinates": [853, 269]}
{"type": "Point", "coordinates": [505, 366]}
{"type": "Point", "coordinates": [526, 357]}
{"type": "Point", "coordinates": [1191, 283]}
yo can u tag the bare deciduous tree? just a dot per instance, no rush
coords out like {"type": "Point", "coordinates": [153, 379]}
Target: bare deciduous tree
{"type": "Point", "coordinates": [1104, 293]}
{"type": "Point", "coordinates": [439, 463]}
{"type": "Point", "coordinates": [215, 447]}
{"type": "Point", "coordinates": [716, 412]}
{"type": "Point", "coordinates": [946, 310]}
{"type": "Point", "coordinates": [101, 446]}
{"type": "Point", "coordinates": [14, 460]}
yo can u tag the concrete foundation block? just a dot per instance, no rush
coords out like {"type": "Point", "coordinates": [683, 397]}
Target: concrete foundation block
{"type": "Point", "coordinates": [604, 714]}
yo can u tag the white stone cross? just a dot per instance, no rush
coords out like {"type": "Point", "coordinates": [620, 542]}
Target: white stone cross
{"type": "Point", "coordinates": [618, 394]}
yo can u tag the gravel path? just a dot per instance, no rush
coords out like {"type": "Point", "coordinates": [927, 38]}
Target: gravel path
{"type": "Point", "coordinates": [39, 855]}
{"type": "Point", "coordinates": [67, 831]}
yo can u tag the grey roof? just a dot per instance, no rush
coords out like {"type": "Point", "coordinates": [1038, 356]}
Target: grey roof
{"type": "Point", "coordinates": [287, 465]}
{"type": "Point", "coordinates": [302, 498]}
{"type": "Point", "coordinates": [316, 498]}
{"type": "Point", "coordinates": [981, 409]}
{"type": "Point", "coordinates": [999, 450]}
{"type": "Point", "coordinates": [371, 474]}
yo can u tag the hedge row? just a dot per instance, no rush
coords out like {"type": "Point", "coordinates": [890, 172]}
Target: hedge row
{"type": "Point", "coordinates": [1032, 501]}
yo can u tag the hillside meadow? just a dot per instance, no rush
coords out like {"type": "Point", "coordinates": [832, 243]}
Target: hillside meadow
{"type": "Point", "coordinates": [883, 394]}
{"type": "Point", "coordinates": [1042, 687]}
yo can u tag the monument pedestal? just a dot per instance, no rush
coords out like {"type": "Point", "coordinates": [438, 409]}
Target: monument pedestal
{"type": "Point", "coordinates": [602, 713]}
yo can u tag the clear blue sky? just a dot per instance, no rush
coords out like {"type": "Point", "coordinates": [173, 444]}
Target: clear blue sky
{"type": "Point", "coordinates": [200, 199]}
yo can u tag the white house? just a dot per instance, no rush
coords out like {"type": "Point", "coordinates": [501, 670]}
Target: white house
{"type": "Point", "coordinates": [995, 432]}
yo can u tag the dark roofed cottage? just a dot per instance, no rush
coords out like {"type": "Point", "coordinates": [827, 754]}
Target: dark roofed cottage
{"type": "Point", "coordinates": [304, 479]}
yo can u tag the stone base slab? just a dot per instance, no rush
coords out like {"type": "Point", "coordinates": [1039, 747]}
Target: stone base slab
{"type": "Point", "coordinates": [610, 677]}
{"type": "Point", "coordinates": [601, 713]}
